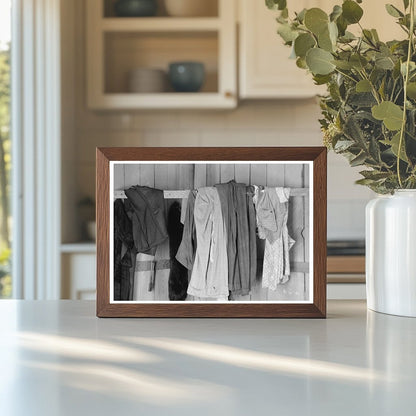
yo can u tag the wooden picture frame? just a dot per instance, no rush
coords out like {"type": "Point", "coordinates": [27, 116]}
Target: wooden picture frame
{"type": "Point", "coordinates": [313, 163]}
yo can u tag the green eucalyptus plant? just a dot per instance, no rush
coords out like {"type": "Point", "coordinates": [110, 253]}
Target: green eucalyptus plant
{"type": "Point", "coordinates": [369, 112]}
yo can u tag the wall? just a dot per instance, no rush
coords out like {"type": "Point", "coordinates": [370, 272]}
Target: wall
{"type": "Point", "coordinates": [254, 123]}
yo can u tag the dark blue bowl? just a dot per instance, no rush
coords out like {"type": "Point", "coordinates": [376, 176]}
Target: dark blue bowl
{"type": "Point", "coordinates": [135, 8]}
{"type": "Point", "coordinates": [186, 76]}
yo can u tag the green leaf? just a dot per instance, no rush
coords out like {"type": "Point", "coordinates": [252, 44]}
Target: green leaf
{"type": "Point", "coordinates": [321, 79]}
{"type": "Point", "coordinates": [276, 4]}
{"type": "Point", "coordinates": [336, 12]}
{"type": "Point", "coordinates": [393, 11]}
{"type": "Point", "coordinates": [343, 145]}
{"type": "Point", "coordinates": [325, 42]}
{"type": "Point", "coordinates": [406, 4]}
{"type": "Point", "coordinates": [303, 43]}
{"type": "Point", "coordinates": [342, 25]}
{"type": "Point", "coordinates": [301, 63]}
{"type": "Point", "coordinates": [358, 61]}
{"type": "Point", "coordinates": [287, 33]}
{"type": "Point", "coordinates": [384, 62]}
{"type": "Point", "coordinates": [316, 20]}
{"type": "Point", "coordinates": [394, 145]}
{"type": "Point", "coordinates": [388, 112]}
{"type": "Point", "coordinates": [374, 174]}
{"type": "Point", "coordinates": [363, 86]}
{"type": "Point", "coordinates": [411, 90]}
{"type": "Point", "coordinates": [351, 11]}
{"type": "Point", "coordinates": [347, 37]}
{"type": "Point", "coordinates": [358, 160]}
{"type": "Point", "coordinates": [375, 35]}
{"type": "Point", "coordinates": [301, 15]}
{"type": "Point", "coordinates": [344, 65]}
{"type": "Point", "coordinates": [319, 61]}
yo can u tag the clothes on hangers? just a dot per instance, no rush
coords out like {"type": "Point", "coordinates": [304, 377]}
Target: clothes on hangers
{"type": "Point", "coordinates": [187, 248]}
{"type": "Point", "coordinates": [149, 221]}
{"type": "Point", "coordinates": [178, 275]}
{"type": "Point", "coordinates": [124, 253]}
{"type": "Point", "coordinates": [272, 214]}
{"type": "Point", "coordinates": [210, 270]}
{"type": "Point", "coordinates": [241, 243]}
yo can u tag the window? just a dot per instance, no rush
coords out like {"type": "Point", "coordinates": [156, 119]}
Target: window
{"type": "Point", "coordinates": [5, 147]}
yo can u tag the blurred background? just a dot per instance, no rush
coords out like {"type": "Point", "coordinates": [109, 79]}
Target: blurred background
{"type": "Point", "coordinates": [146, 73]}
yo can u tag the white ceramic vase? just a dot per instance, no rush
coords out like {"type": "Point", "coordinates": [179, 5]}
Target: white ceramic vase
{"type": "Point", "coordinates": [391, 253]}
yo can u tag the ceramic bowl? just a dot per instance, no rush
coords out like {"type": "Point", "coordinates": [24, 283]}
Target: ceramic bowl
{"type": "Point", "coordinates": [186, 76]}
{"type": "Point", "coordinates": [147, 80]}
{"type": "Point", "coordinates": [135, 8]}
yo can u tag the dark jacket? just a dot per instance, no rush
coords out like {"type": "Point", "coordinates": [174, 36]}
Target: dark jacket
{"type": "Point", "coordinates": [124, 253]}
{"type": "Point", "coordinates": [178, 275]}
{"type": "Point", "coordinates": [149, 223]}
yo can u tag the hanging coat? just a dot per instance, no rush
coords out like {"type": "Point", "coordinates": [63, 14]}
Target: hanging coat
{"type": "Point", "coordinates": [149, 223]}
{"type": "Point", "coordinates": [124, 253]}
{"type": "Point", "coordinates": [178, 275]}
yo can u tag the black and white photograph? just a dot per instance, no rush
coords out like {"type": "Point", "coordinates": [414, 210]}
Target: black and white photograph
{"type": "Point", "coordinates": [211, 232]}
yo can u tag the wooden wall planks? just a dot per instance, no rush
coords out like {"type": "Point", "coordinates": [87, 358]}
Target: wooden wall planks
{"type": "Point", "coordinates": [190, 176]}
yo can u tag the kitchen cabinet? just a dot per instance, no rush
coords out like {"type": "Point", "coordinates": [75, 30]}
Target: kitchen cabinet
{"type": "Point", "coordinates": [265, 69]}
{"type": "Point", "coordinates": [118, 45]}
{"type": "Point", "coordinates": [78, 262]}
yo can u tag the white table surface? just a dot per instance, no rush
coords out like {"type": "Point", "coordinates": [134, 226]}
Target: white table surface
{"type": "Point", "coordinates": [57, 358]}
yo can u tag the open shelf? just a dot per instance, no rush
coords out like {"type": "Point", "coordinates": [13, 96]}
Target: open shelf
{"type": "Point", "coordinates": [126, 51]}
{"type": "Point", "coordinates": [160, 24]}
{"type": "Point", "coordinates": [119, 45]}
{"type": "Point", "coordinates": [210, 7]}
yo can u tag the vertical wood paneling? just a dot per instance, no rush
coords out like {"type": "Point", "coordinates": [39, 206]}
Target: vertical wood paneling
{"type": "Point", "coordinates": [166, 177]}
{"type": "Point", "coordinates": [172, 179]}
{"type": "Point", "coordinates": [186, 176]}
{"type": "Point", "coordinates": [213, 174]}
{"type": "Point", "coordinates": [131, 175]}
{"type": "Point", "coordinates": [161, 175]}
{"type": "Point", "coordinates": [118, 176]}
{"type": "Point", "coordinates": [227, 172]}
{"type": "Point", "coordinates": [258, 176]}
{"type": "Point", "coordinates": [242, 173]}
{"type": "Point", "coordinates": [147, 175]}
{"type": "Point", "coordinates": [275, 174]}
{"type": "Point", "coordinates": [200, 175]}
{"type": "Point", "coordinates": [294, 288]}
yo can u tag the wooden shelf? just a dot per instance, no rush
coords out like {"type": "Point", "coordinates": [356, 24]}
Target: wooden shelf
{"type": "Point", "coordinates": [346, 264]}
{"type": "Point", "coordinates": [160, 24]}
{"type": "Point", "coordinates": [196, 100]}
{"type": "Point", "coordinates": [117, 45]}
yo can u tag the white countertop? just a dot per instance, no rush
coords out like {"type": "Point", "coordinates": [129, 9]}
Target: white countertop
{"type": "Point", "coordinates": [57, 358]}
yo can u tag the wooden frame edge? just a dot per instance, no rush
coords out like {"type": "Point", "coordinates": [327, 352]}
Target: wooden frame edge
{"type": "Point", "coordinates": [317, 309]}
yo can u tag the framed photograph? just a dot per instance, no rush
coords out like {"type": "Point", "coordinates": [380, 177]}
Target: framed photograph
{"type": "Point", "coordinates": [211, 232]}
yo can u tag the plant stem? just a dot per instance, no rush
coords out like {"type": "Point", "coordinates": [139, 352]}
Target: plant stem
{"type": "Point", "coordinates": [406, 80]}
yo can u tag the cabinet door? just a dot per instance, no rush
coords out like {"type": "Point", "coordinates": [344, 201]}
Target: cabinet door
{"type": "Point", "coordinates": [265, 68]}
{"type": "Point", "coordinates": [266, 71]}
